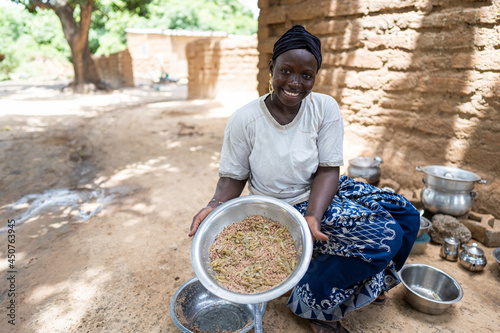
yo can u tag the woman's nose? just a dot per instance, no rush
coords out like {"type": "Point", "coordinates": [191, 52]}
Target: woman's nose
{"type": "Point", "coordinates": [294, 81]}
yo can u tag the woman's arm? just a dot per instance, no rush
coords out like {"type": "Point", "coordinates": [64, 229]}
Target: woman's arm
{"type": "Point", "coordinates": [227, 189]}
{"type": "Point", "coordinates": [324, 188]}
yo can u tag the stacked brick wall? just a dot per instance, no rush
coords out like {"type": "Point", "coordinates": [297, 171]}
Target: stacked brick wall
{"type": "Point", "coordinates": [221, 67]}
{"type": "Point", "coordinates": [116, 69]}
{"type": "Point", "coordinates": [418, 81]}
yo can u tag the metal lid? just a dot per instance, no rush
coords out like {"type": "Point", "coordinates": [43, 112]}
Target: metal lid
{"type": "Point", "coordinates": [366, 162]}
{"type": "Point", "coordinates": [451, 240]}
{"type": "Point", "coordinates": [450, 173]}
{"type": "Point", "coordinates": [474, 250]}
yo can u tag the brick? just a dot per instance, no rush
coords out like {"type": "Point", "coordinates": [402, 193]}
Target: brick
{"type": "Point", "coordinates": [399, 60]}
{"type": "Point", "coordinates": [263, 4]}
{"type": "Point", "coordinates": [364, 80]}
{"type": "Point", "coordinates": [362, 59]}
{"type": "Point", "coordinates": [447, 40]}
{"type": "Point", "coordinates": [398, 81]}
{"type": "Point", "coordinates": [487, 37]}
{"type": "Point", "coordinates": [272, 15]}
{"type": "Point", "coordinates": [444, 85]}
{"type": "Point", "coordinates": [484, 228]}
{"type": "Point", "coordinates": [406, 40]}
{"type": "Point", "coordinates": [386, 5]}
{"type": "Point", "coordinates": [484, 60]}
{"type": "Point", "coordinates": [328, 27]}
{"type": "Point", "coordinates": [345, 8]}
{"type": "Point", "coordinates": [338, 43]}
{"type": "Point", "coordinates": [394, 101]}
{"type": "Point", "coordinates": [331, 76]}
{"type": "Point", "coordinates": [443, 19]}
{"type": "Point", "coordinates": [490, 89]}
{"type": "Point", "coordinates": [266, 45]}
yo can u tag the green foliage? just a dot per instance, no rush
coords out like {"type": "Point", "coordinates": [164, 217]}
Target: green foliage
{"type": "Point", "coordinates": [108, 25]}
{"type": "Point", "coordinates": [26, 36]}
{"type": "Point", "coordinates": [219, 15]}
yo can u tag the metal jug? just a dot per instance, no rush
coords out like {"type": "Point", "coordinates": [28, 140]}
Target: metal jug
{"type": "Point", "coordinates": [450, 249]}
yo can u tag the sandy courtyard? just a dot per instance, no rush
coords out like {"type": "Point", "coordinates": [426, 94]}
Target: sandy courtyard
{"type": "Point", "coordinates": [102, 189]}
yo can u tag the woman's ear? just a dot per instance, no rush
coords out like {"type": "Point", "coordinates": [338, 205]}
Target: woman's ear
{"type": "Point", "coordinates": [270, 65]}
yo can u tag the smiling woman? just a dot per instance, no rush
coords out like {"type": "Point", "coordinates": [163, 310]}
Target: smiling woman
{"type": "Point", "coordinates": [288, 144]}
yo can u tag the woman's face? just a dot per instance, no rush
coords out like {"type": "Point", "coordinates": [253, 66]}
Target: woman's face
{"type": "Point", "coordinates": [294, 74]}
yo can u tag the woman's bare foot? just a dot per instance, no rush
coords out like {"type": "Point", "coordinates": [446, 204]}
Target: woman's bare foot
{"type": "Point", "coordinates": [381, 298]}
{"type": "Point", "coordinates": [319, 326]}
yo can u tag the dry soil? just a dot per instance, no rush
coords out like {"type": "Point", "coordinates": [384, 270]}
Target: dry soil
{"type": "Point", "coordinates": [100, 190]}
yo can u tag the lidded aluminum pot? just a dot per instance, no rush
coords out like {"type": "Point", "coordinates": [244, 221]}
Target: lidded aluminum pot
{"type": "Point", "coordinates": [448, 190]}
{"type": "Point", "coordinates": [449, 249]}
{"type": "Point", "coordinates": [367, 168]}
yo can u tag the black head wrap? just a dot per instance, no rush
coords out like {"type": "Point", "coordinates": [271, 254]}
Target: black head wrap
{"type": "Point", "coordinates": [298, 38]}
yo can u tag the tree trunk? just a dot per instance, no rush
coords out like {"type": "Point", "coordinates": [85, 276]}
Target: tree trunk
{"type": "Point", "coordinates": [77, 36]}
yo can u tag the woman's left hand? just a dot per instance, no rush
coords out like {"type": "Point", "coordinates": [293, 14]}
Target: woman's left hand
{"type": "Point", "coordinates": [315, 228]}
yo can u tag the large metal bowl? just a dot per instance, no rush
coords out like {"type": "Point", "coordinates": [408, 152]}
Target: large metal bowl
{"type": "Point", "coordinates": [235, 211]}
{"type": "Point", "coordinates": [194, 306]}
{"type": "Point", "coordinates": [429, 289]}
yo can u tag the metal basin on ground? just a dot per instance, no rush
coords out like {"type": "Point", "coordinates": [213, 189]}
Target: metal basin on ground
{"type": "Point", "coordinates": [429, 289]}
{"type": "Point", "coordinates": [194, 306]}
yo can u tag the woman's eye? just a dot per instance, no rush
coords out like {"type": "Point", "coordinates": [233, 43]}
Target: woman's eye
{"type": "Point", "coordinates": [307, 76]}
{"type": "Point", "coordinates": [285, 71]}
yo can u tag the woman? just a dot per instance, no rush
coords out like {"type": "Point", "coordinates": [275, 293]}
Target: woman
{"type": "Point", "coordinates": [288, 144]}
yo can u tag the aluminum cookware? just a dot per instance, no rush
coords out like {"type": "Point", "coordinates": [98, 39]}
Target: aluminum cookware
{"type": "Point", "coordinates": [429, 289]}
{"type": "Point", "coordinates": [367, 168]}
{"type": "Point", "coordinates": [425, 225]}
{"type": "Point", "coordinates": [234, 211]}
{"type": "Point", "coordinates": [450, 249]}
{"type": "Point", "coordinates": [496, 255]}
{"type": "Point", "coordinates": [194, 306]}
{"type": "Point", "coordinates": [448, 190]}
{"type": "Point", "coordinates": [473, 258]}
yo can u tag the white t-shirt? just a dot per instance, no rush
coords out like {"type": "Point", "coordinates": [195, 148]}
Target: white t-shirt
{"type": "Point", "coordinates": [280, 160]}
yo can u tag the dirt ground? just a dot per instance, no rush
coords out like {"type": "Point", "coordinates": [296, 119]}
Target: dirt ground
{"type": "Point", "coordinates": [98, 193]}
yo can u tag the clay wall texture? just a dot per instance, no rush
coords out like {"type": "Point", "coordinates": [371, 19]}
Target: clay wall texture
{"type": "Point", "coordinates": [156, 51]}
{"type": "Point", "coordinates": [418, 81]}
{"type": "Point", "coordinates": [222, 67]}
{"type": "Point", "coordinates": [116, 69]}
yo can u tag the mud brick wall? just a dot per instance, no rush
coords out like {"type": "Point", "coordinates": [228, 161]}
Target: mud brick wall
{"type": "Point", "coordinates": [418, 81]}
{"type": "Point", "coordinates": [116, 69]}
{"type": "Point", "coordinates": [221, 67]}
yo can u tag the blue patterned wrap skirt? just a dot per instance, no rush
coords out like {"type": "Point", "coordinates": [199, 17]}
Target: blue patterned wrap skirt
{"type": "Point", "coordinates": [371, 233]}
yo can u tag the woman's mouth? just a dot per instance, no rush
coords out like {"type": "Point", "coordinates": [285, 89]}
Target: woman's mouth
{"type": "Point", "coordinates": [290, 94]}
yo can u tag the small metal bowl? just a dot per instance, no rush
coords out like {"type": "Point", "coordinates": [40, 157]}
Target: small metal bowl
{"type": "Point", "coordinates": [496, 255]}
{"type": "Point", "coordinates": [194, 306]}
{"type": "Point", "coordinates": [425, 224]}
{"type": "Point", "coordinates": [234, 211]}
{"type": "Point", "coordinates": [420, 244]}
{"type": "Point", "coordinates": [428, 289]}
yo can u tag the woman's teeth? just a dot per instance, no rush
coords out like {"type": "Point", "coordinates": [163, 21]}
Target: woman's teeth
{"type": "Point", "coordinates": [291, 94]}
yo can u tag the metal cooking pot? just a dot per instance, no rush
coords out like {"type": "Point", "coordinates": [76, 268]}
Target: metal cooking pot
{"type": "Point", "coordinates": [367, 168]}
{"type": "Point", "coordinates": [448, 190]}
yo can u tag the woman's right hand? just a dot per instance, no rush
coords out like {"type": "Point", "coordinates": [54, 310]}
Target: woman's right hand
{"type": "Point", "coordinates": [198, 218]}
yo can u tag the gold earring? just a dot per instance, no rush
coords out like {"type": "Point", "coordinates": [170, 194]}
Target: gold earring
{"type": "Point", "coordinates": [271, 88]}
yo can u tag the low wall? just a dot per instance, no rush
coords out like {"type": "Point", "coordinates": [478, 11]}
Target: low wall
{"type": "Point", "coordinates": [417, 81]}
{"type": "Point", "coordinates": [222, 67]}
{"type": "Point", "coordinates": [116, 69]}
